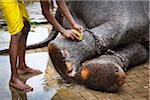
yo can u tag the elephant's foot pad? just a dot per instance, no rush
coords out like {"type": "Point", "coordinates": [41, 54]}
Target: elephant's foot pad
{"type": "Point", "coordinates": [57, 56]}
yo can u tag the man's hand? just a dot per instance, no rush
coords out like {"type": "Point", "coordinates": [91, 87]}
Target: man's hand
{"type": "Point", "coordinates": [70, 34]}
{"type": "Point", "coordinates": [78, 27]}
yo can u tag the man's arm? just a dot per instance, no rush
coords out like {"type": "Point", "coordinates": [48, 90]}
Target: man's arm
{"type": "Point", "coordinates": [64, 9]}
{"type": "Point", "coordinates": [49, 16]}
{"type": "Point", "coordinates": [51, 19]}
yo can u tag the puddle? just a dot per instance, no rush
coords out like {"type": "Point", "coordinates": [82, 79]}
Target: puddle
{"type": "Point", "coordinates": [40, 87]}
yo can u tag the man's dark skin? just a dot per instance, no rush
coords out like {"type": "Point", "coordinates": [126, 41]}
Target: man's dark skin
{"type": "Point", "coordinates": [18, 24]}
{"type": "Point", "coordinates": [46, 4]}
{"type": "Point", "coordinates": [17, 50]}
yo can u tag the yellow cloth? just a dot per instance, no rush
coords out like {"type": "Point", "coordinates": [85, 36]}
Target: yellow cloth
{"type": "Point", "coordinates": [14, 11]}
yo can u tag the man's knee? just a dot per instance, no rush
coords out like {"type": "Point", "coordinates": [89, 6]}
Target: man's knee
{"type": "Point", "coordinates": [16, 37]}
{"type": "Point", "coordinates": [26, 27]}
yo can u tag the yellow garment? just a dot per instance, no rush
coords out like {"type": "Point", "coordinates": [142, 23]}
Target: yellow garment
{"type": "Point", "coordinates": [14, 11]}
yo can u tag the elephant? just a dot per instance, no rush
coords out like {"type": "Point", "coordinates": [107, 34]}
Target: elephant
{"type": "Point", "coordinates": [117, 26]}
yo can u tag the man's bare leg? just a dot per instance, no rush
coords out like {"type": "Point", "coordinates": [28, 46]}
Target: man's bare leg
{"type": "Point", "coordinates": [23, 68]}
{"type": "Point", "coordinates": [15, 81]}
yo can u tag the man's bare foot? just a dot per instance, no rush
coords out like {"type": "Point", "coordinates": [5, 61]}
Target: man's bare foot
{"type": "Point", "coordinates": [18, 84]}
{"type": "Point", "coordinates": [28, 70]}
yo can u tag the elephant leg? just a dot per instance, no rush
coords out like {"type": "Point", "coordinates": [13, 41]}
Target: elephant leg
{"type": "Point", "coordinates": [145, 41]}
{"type": "Point", "coordinates": [67, 55]}
{"type": "Point", "coordinates": [118, 32]}
{"type": "Point", "coordinates": [107, 72]}
{"type": "Point", "coordinates": [108, 35]}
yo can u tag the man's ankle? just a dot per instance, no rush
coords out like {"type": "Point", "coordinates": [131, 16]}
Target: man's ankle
{"type": "Point", "coordinates": [22, 66]}
{"type": "Point", "coordinates": [14, 78]}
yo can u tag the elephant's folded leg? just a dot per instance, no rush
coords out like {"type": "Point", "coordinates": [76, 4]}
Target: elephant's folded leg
{"type": "Point", "coordinates": [117, 32]}
{"type": "Point", "coordinates": [145, 40]}
{"type": "Point", "coordinates": [67, 55]}
{"type": "Point", "coordinates": [107, 72]}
